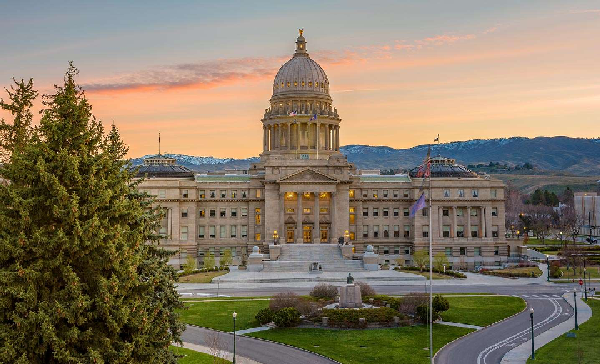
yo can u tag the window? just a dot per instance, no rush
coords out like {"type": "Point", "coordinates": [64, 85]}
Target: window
{"type": "Point", "coordinates": [396, 231]}
{"type": "Point", "coordinates": [386, 231]}
{"type": "Point", "coordinates": [212, 232]}
{"type": "Point", "coordinates": [223, 193]}
{"type": "Point", "coordinates": [201, 232]}
{"type": "Point", "coordinates": [201, 213]}
{"type": "Point", "coordinates": [365, 231]}
{"type": "Point", "coordinates": [405, 193]}
{"type": "Point", "coordinates": [461, 193]}
{"type": "Point", "coordinates": [352, 215]}
{"type": "Point", "coordinates": [375, 194]}
{"type": "Point", "coordinates": [351, 193]}
{"type": "Point", "coordinates": [475, 193]}
{"type": "Point", "coordinates": [386, 212]}
{"type": "Point", "coordinates": [459, 212]}
{"type": "Point", "coordinates": [386, 250]}
{"type": "Point", "coordinates": [425, 231]}
{"type": "Point", "coordinates": [375, 211]}
{"type": "Point", "coordinates": [407, 250]}
{"type": "Point", "coordinates": [201, 194]}
{"type": "Point", "coordinates": [352, 235]}
{"type": "Point", "coordinates": [397, 250]}
{"type": "Point", "coordinates": [223, 212]}
{"type": "Point", "coordinates": [244, 211]}
{"type": "Point", "coordinates": [494, 211]}
{"type": "Point", "coordinates": [257, 235]}
{"type": "Point", "coordinates": [473, 212]}
{"type": "Point", "coordinates": [365, 193]}
{"type": "Point", "coordinates": [365, 212]}
{"type": "Point", "coordinates": [445, 212]}
{"type": "Point", "coordinates": [212, 213]}
{"type": "Point", "coordinates": [460, 231]}
{"type": "Point", "coordinates": [257, 215]}
{"type": "Point", "coordinates": [407, 231]}
{"type": "Point", "coordinates": [233, 193]}
{"type": "Point", "coordinates": [446, 231]}
{"type": "Point", "coordinates": [496, 250]}
{"type": "Point", "coordinates": [494, 193]}
{"type": "Point", "coordinates": [212, 194]}
{"type": "Point", "coordinates": [244, 194]}
{"type": "Point", "coordinates": [185, 193]}
{"type": "Point", "coordinates": [463, 250]}
{"type": "Point", "coordinates": [385, 193]}
{"type": "Point", "coordinates": [474, 231]}
{"type": "Point", "coordinates": [306, 211]}
{"type": "Point", "coordinates": [233, 212]}
{"type": "Point", "coordinates": [396, 212]}
{"type": "Point", "coordinates": [446, 193]}
{"type": "Point", "coordinates": [477, 251]}
{"type": "Point", "coordinates": [183, 233]}
{"type": "Point", "coordinates": [289, 210]}
{"type": "Point", "coordinates": [258, 194]}
{"type": "Point", "coordinates": [184, 212]}
{"type": "Point", "coordinates": [494, 231]}
{"type": "Point", "coordinates": [405, 212]}
{"type": "Point", "coordinates": [425, 211]}
{"type": "Point", "coordinates": [233, 231]}
{"type": "Point", "coordinates": [375, 231]}
{"type": "Point", "coordinates": [244, 231]}
{"type": "Point", "coordinates": [395, 193]}
{"type": "Point", "coordinates": [448, 251]}
{"type": "Point", "coordinates": [162, 193]}
{"type": "Point", "coordinates": [222, 231]}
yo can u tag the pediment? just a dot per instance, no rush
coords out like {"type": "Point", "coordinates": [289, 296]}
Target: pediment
{"type": "Point", "coordinates": [308, 175]}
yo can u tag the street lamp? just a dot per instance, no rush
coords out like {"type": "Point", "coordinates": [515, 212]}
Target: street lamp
{"type": "Point", "coordinates": [584, 285]}
{"type": "Point", "coordinates": [234, 316]}
{"type": "Point", "coordinates": [275, 237]}
{"type": "Point", "coordinates": [575, 300]}
{"type": "Point", "coordinates": [548, 267]}
{"type": "Point", "coordinates": [532, 337]}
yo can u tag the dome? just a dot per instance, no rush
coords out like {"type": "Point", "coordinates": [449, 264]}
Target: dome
{"type": "Point", "coordinates": [444, 167]}
{"type": "Point", "coordinates": [300, 74]}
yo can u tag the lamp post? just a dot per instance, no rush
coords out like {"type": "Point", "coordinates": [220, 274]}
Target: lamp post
{"type": "Point", "coordinates": [561, 235]}
{"type": "Point", "coordinates": [575, 300]}
{"type": "Point", "coordinates": [532, 336]}
{"type": "Point", "coordinates": [584, 285]}
{"type": "Point", "coordinates": [275, 237]}
{"type": "Point", "coordinates": [346, 237]}
{"type": "Point", "coordinates": [234, 316]}
{"type": "Point", "coordinates": [548, 267]}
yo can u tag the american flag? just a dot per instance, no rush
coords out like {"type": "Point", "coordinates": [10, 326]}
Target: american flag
{"type": "Point", "coordinates": [293, 113]}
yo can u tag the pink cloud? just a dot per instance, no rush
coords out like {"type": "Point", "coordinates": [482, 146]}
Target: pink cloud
{"type": "Point", "coordinates": [444, 39]}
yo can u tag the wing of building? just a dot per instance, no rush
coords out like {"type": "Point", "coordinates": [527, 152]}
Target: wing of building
{"type": "Point", "coordinates": [304, 191]}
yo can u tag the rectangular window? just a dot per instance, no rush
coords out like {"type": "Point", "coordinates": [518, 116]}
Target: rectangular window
{"type": "Point", "coordinates": [396, 212]}
{"type": "Point", "coordinates": [223, 193]}
{"type": "Point", "coordinates": [445, 212]}
{"type": "Point", "coordinates": [233, 212]}
{"type": "Point", "coordinates": [257, 216]}
{"type": "Point", "coordinates": [405, 212]}
{"type": "Point", "coordinates": [244, 231]}
{"type": "Point", "coordinates": [425, 231]}
{"type": "Point", "coordinates": [425, 211]}
{"type": "Point", "coordinates": [474, 231]}
{"type": "Point", "coordinates": [185, 193]}
{"type": "Point", "coordinates": [351, 193]}
{"type": "Point", "coordinates": [496, 250]}
{"type": "Point", "coordinates": [201, 232]}
{"type": "Point", "coordinates": [386, 250]}
{"type": "Point", "coordinates": [258, 194]}
{"type": "Point", "coordinates": [461, 193]}
{"type": "Point", "coordinates": [446, 231]}
{"type": "Point", "coordinates": [289, 210]}
{"type": "Point", "coordinates": [397, 250]}
{"type": "Point", "coordinates": [201, 213]}
{"type": "Point", "coordinates": [212, 232]}
{"type": "Point", "coordinates": [223, 212]}
{"type": "Point", "coordinates": [494, 231]}
{"type": "Point", "coordinates": [233, 193]}
{"type": "Point", "coordinates": [352, 219]}
{"type": "Point", "coordinates": [475, 193]}
{"type": "Point", "coordinates": [375, 211]}
{"type": "Point", "coordinates": [257, 235]}
{"type": "Point", "coordinates": [365, 212]}
{"type": "Point", "coordinates": [183, 233]}
{"type": "Point", "coordinates": [162, 193]}
{"type": "Point", "coordinates": [244, 194]}
{"type": "Point", "coordinates": [375, 193]}
{"type": "Point", "coordinates": [448, 251]}
{"type": "Point", "coordinates": [375, 231]}
{"type": "Point", "coordinates": [473, 212]}
{"type": "Point", "coordinates": [460, 231]}
{"type": "Point", "coordinates": [385, 193]}
{"type": "Point", "coordinates": [477, 251]}
{"type": "Point", "coordinates": [365, 231]}
{"type": "Point", "coordinates": [386, 231]}
{"type": "Point", "coordinates": [494, 193]}
{"type": "Point", "coordinates": [494, 211]}
{"type": "Point", "coordinates": [352, 235]}
{"type": "Point", "coordinates": [212, 194]}
{"type": "Point", "coordinates": [184, 212]}
{"type": "Point", "coordinates": [396, 231]}
{"type": "Point", "coordinates": [407, 250]}
{"type": "Point", "coordinates": [405, 193]}
{"type": "Point", "coordinates": [233, 231]}
{"type": "Point", "coordinates": [365, 193]}
{"type": "Point", "coordinates": [407, 231]}
{"type": "Point", "coordinates": [212, 213]}
{"type": "Point", "coordinates": [386, 212]}
{"type": "Point", "coordinates": [223, 231]}
{"type": "Point", "coordinates": [446, 193]}
{"type": "Point", "coordinates": [463, 250]}
{"type": "Point", "coordinates": [459, 212]}
{"type": "Point", "coordinates": [244, 211]}
{"type": "Point", "coordinates": [395, 193]}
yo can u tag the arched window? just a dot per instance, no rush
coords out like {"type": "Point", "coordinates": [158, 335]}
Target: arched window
{"type": "Point", "coordinates": [302, 83]}
{"type": "Point", "coordinates": [309, 83]}
{"type": "Point", "coordinates": [288, 84]}
{"type": "Point", "coordinates": [295, 83]}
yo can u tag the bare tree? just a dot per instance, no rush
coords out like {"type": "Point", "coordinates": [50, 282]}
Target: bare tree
{"type": "Point", "coordinates": [514, 207]}
{"type": "Point", "coordinates": [217, 347]}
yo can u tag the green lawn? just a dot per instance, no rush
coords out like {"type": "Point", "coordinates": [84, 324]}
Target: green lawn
{"type": "Point", "coordinates": [194, 357]}
{"type": "Point", "coordinates": [217, 315]}
{"type": "Point", "coordinates": [482, 311]}
{"type": "Point", "coordinates": [206, 277]}
{"type": "Point", "coordinates": [569, 274]}
{"type": "Point", "coordinates": [519, 270]}
{"type": "Point", "coordinates": [584, 348]}
{"type": "Point", "coordinates": [395, 345]}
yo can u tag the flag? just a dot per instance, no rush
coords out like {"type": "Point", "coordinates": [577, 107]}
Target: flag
{"type": "Point", "coordinates": [419, 205]}
{"type": "Point", "coordinates": [437, 139]}
{"type": "Point", "coordinates": [425, 168]}
{"type": "Point", "coordinates": [314, 117]}
{"type": "Point", "coordinates": [293, 113]}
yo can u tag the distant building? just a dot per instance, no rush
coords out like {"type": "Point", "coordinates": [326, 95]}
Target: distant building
{"type": "Point", "coordinates": [587, 209]}
{"type": "Point", "coordinates": [304, 191]}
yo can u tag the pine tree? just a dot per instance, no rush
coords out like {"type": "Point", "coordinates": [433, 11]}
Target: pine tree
{"type": "Point", "coordinates": [82, 278]}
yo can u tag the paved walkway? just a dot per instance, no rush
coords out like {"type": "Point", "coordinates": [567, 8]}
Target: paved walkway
{"type": "Point", "coordinates": [252, 329]}
{"type": "Point", "coordinates": [225, 354]}
{"type": "Point", "coordinates": [458, 324]}
{"type": "Point", "coordinates": [521, 353]}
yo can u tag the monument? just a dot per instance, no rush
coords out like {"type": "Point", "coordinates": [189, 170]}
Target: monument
{"type": "Point", "coordinates": [350, 296]}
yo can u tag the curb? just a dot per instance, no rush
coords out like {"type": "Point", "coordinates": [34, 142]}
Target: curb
{"type": "Point", "coordinates": [490, 325]}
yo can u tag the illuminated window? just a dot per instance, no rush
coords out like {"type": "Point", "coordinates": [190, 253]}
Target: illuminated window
{"type": "Point", "coordinates": [257, 215]}
{"type": "Point", "coordinates": [309, 83]}
{"type": "Point", "coordinates": [289, 210]}
{"type": "Point", "coordinates": [201, 194]}
{"type": "Point", "coordinates": [302, 81]}
{"type": "Point", "coordinates": [201, 213]}
{"type": "Point", "coordinates": [289, 196]}
{"type": "Point", "coordinates": [288, 84]}
{"type": "Point", "coordinates": [306, 211]}
{"type": "Point", "coordinates": [233, 193]}
{"type": "Point", "coordinates": [352, 235]}
{"type": "Point", "coordinates": [257, 237]}
{"type": "Point", "coordinates": [295, 83]}
{"type": "Point", "coordinates": [316, 85]}
{"type": "Point", "coordinates": [375, 193]}
{"type": "Point", "coordinates": [351, 193]}
{"type": "Point", "coordinates": [323, 210]}
{"type": "Point", "coordinates": [258, 193]}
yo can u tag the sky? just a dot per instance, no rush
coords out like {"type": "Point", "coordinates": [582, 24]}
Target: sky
{"type": "Point", "coordinates": [400, 72]}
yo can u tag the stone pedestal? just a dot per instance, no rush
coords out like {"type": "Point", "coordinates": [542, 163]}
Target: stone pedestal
{"type": "Point", "coordinates": [350, 296]}
{"type": "Point", "coordinates": [274, 251]}
{"type": "Point", "coordinates": [370, 259]}
{"type": "Point", "coordinates": [255, 260]}
{"type": "Point", "coordinates": [347, 251]}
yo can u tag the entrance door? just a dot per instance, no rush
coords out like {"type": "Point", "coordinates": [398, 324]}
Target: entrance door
{"type": "Point", "coordinates": [324, 235]}
{"type": "Point", "coordinates": [307, 234]}
{"type": "Point", "coordinates": [289, 235]}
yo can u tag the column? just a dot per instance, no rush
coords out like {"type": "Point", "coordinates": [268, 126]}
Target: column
{"type": "Point", "coordinates": [289, 136]}
{"type": "Point", "coordinates": [276, 135]}
{"type": "Point", "coordinates": [441, 230]}
{"type": "Point", "coordinates": [482, 221]}
{"type": "Point", "coordinates": [282, 232]}
{"type": "Point", "coordinates": [337, 137]}
{"type": "Point", "coordinates": [468, 232]}
{"type": "Point", "coordinates": [299, 218]}
{"type": "Point", "coordinates": [332, 231]}
{"type": "Point", "coordinates": [326, 137]}
{"type": "Point", "coordinates": [316, 228]}
{"type": "Point", "coordinates": [264, 138]}
{"type": "Point", "coordinates": [169, 223]}
{"type": "Point", "coordinates": [453, 232]}
{"type": "Point", "coordinates": [270, 137]}
{"type": "Point", "coordinates": [488, 222]}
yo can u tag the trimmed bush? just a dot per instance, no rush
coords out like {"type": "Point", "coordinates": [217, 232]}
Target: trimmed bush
{"type": "Point", "coordinates": [440, 303]}
{"type": "Point", "coordinates": [365, 289]}
{"type": "Point", "coordinates": [422, 314]}
{"type": "Point", "coordinates": [264, 316]}
{"type": "Point", "coordinates": [411, 301]}
{"type": "Point", "coordinates": [379, 299]}
{"type": "Point", "coordinates": [286, 317]}
{"type": "Point", "coordinates": [349, 318]}
{"type": "Point", "coordinates": [325, 291]}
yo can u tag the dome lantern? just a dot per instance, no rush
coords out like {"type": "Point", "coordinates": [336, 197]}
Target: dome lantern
{"type": "Point", "coordinates": [300, 45]}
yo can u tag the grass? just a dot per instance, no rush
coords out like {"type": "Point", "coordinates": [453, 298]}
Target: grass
{"type": "Point", "coordinates": [194, 357]}
{"type": "Point", "coordinates": [518, 270]}
{"type": "Point", "coordinates": [217, 315]}
{"type": "Point", "coordinates": [582, 349]}
{"type": "Point", "coordinates": [394, 345]}
{"type": "Point", "coordinates": [202, 299]}
{"type": "Point", "coordinates": [206, 277]}
{"type": "Point", "coordinates": [482, 311]}
{"type": "Point", "coordinates": [426, 274]}
{"type": "Point", "coordinates": [592, 272]}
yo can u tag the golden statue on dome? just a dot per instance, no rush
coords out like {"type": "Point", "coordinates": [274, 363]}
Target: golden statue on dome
{"type": "Point", "coordinates": [301, 30]}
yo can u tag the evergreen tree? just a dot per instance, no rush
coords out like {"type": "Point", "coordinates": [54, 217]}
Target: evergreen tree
{"type": "Point", "coordinates": [81, 276]}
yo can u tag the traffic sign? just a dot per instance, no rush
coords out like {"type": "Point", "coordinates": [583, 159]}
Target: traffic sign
{"type": "Point", "coordinates": [581, 282]}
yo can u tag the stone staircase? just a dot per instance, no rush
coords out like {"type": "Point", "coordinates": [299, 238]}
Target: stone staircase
{"type": "Point", "coordinates": [298, 258]}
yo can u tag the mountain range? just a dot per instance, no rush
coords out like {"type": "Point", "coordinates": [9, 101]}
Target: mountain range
{"type": "Point", "coordinates": [571, 155]}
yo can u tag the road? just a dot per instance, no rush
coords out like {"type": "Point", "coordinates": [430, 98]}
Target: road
{"type": "Point", "coordinates": [261, 351]}
{"type": "Point", "coordinates": [489, 345]}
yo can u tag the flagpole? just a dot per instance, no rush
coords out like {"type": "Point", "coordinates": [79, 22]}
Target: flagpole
{"type": "Point", "coordinates": [430, 266]}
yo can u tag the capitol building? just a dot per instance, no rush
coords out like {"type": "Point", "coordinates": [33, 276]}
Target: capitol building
{"type": "Point", "coordinates": [304, 191]}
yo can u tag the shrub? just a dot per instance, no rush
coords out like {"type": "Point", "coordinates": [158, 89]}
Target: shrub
{"type": "Point", "coordinates": [264, 316]}
{"type": "Point", "coordinates": [190, 265]}
{"type": "Point", "coordinates": [410, 302]}
{"type": "Point", "coordinates": [422, 314]}
{"type": "Point", "coordinates": [323, 290]}
{"type": "Point", "coordinates": [284, 300]}
{"type": "Point", "coordinates": [378, 300]}
{"type": "Point", "coordinates": [365, 289]}
{"type": "Point", "coordinates": [307, 308]}
{"type": "Point", "coordinates": [349, 318]}
{"type": "Point", "coordinates": [286, 317]}
{"type": "Point", "coordinates": [440, 303]}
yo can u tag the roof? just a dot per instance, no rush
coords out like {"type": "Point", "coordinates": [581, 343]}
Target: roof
{"type": "Point", "coordinates": [384, 178]}
{"type": "Point", "coordinates": [222, 178]}
{"type": "Point", "coordinates": [445, 168]}
{"type": "Point", "coordinates": [164, 171]}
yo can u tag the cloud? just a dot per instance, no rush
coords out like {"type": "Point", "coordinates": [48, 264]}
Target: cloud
{"type": "Point", "coordinates": [490, 30]}
{"type": "Point", "coordinates": [444, 39]}
{"type": "Point", "coordinates": [586, 11]}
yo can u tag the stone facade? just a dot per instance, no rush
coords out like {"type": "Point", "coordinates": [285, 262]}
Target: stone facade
{"type": "Point", "coordinates": [304, 191]}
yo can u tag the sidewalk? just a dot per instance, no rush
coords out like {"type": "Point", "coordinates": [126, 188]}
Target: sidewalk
{"type": "Point", "coordinates": [521, 353]}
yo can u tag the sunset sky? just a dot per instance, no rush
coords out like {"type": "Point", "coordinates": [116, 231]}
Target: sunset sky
{"type": "Point", "coordinates": [400, 72]}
